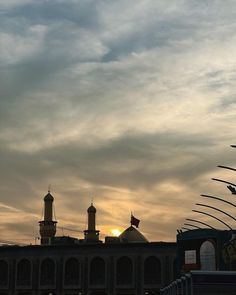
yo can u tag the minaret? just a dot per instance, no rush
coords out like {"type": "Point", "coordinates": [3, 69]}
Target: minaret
{"type": "Point", "coordinates": [91, 234]}
{"type": "Point", "coordinates": [47, 227]}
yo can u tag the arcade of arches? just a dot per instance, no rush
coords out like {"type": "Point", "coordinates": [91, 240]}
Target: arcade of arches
{"type": "Point", "coordinates": [131, 273]}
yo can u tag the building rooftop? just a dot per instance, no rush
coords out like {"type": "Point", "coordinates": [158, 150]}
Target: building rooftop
{"type": "Point", "coordinates": [132, 235]}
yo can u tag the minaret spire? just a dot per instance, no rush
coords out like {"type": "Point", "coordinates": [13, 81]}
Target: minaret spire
{"type": "Point", "coordinates": [47, 227]}
{"type": "Point", "coordinates": [91, 234]}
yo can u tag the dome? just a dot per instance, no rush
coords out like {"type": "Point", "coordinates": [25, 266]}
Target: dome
{"type": "Point", "coordinates": [132, 235]}
{"type": "Point", "coordinates": [48, 197]}
{"type": "Point", "coordinates": [91, 209]}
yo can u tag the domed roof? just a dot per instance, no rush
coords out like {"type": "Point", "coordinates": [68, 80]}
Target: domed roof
{"type": "Point", "coordinates": [132, 235]}
{"type": "Point", "coordinates": [48, 197]}
{"type": "Point", "coordinates": [91, 209]}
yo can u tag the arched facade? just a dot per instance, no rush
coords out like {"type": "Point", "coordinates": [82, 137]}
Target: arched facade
{"type": "Point", "coordinates": [24, 273]}
{"type": "Point", "coordinates": [124, 271]}
{"type": "Point", "coordinates": [72, 272]}
{"type": "Point", "coordinates": [152, 271]}
{"type": "Point", "coordinates": [88, 269]}
{"type": "Point", "coordinates": [97, 274]}
{"type": "Point", "coordinates": [47, 272]}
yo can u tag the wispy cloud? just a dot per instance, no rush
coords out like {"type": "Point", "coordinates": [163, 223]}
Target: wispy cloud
{"type": "Point", "coordinates": [132, 103]}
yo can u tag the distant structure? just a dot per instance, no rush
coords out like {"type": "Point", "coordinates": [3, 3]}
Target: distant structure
{"type": "Point", "coordinates": [131, 235]}
{"type": "Point", "coordinates": [47, 227]}
{"type": "Point", "coordinates": [91, 234]}
{"type": "Point", "coordinates": [124, 265]}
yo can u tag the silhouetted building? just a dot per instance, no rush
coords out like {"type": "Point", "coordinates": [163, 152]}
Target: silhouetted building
{"type": "Point", "coordinates": [47, 226]}
{"type": "Point", "coordinates": [91, 234]}
{"type": "Point", "coordinates": [127, 264]}
{"type": "Point", "coordinates": [203, 249]}
{"type": "Point", "coordinates": [205, 263]}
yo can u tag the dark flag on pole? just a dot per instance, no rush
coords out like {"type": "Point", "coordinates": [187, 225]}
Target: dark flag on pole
{"type": "Point", "coordinates": [134, 221]}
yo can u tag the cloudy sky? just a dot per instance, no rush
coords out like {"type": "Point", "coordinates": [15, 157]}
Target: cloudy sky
{"type": "Point", "coordinates": [131, 103]}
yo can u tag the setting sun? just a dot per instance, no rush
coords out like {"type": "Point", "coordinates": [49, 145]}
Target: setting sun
{"type": "Point", "coordinates": [116, 232]}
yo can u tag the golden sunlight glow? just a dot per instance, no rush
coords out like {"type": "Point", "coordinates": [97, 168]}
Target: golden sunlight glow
{"type": "Point", "coordinates": [116, 232]}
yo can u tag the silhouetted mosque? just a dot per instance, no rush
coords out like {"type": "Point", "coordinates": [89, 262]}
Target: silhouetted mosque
{"type": "Point", "coordinates": [127, 264]}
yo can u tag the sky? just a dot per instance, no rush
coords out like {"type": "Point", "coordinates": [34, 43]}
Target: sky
{"type": "Point", "coordinates": [129, 104]}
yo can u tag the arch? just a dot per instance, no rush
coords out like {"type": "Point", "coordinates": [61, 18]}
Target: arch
{"type": "Point", "coordinates": [124, 271]}
{"type": "Point", "coordinates": [3, 273]}
{"type": "Point", "coordinates": [152, 271]}
{"type": "Point", "coordinates": [207, 256]}
{"type": "Point", "coordinates": [72, 272]}
{"type": "Point", "coordinates": [47, 272]}
{"type": "Point", "coordinates": [23, 277]}
{"type": "Point", "coordinates": [97, 271]}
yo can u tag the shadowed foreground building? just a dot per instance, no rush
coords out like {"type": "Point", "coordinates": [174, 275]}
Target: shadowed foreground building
{"type": "Point", "coordinates": [206, 249]}
{"type": "Point", "coordinates": [206, 263]}
{"type": "Point", "coordinates": [128, 264]}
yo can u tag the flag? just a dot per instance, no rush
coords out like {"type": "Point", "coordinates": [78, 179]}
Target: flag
{"type": "Point", "coordinates": [134, 221]}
